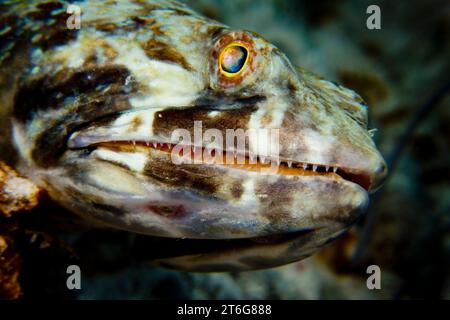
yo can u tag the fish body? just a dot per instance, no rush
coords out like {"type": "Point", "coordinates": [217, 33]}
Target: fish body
{"type": "Point", "coordinates": [89, 114]}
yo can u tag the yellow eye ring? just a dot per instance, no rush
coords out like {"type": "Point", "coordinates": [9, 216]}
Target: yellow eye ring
{"type": "Point", "coordinates": [233, 59]}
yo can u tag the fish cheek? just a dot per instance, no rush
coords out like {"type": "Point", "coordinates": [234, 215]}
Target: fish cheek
{"type": "Point", "coordinates": [162, 171]}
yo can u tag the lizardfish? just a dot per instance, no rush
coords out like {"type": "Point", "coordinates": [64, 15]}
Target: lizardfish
{"type": "Point", "coordinates": [89, 105]}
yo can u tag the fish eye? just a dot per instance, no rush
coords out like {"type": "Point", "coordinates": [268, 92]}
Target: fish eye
{"type": "Point", "coordinates": [233, 59]}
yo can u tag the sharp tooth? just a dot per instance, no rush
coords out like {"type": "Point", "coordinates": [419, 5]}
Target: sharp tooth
{"type": "Point", "coordinates": [315, 167]}
{"type": "Point", "coordinates": [262, 160]}
{"type": "Point", "coordinates": [335, 169]}
{"type": "Point", "coordinates": [305, 166]}
{"type": "Point", "coordinates": [147, 143]}
{"type": "Point", "coordinates": [289, 164]}
{"type": "Point", "coordinates": [154, 144]}
{"type": "Point", "coordinates": [278, 162]}
{"type": "Point", "coordinates": [327, 168]}
{"type": "Point", "coordinates": [134, 143]}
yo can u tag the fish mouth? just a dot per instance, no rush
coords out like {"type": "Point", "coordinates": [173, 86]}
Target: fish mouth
{"type": "Point", "coordinates": [242, 161]}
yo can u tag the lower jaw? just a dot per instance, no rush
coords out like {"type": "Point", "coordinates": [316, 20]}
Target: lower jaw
{"type": "Point", "coordinates": [164, 248]}
{"type": "Point", "coordinates": [234, 255]}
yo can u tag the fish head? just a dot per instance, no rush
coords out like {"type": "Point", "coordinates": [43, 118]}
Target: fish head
{"type": "Point", "coordinates": [189, 129]}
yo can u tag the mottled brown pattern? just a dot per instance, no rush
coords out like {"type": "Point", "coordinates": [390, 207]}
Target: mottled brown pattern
{"type": "Point", "coordinates": [92, 102]}
{"type": "Point", "coordinates": [289, 120]}
{"type": "Point", "coordinates": [131, 24]}
{"type": "Point", "coordinates": [51, 143]}
{"type": "Point", "coordinates": [202, 179]}
{"type": "Point", "coordinates": [49, 93]}
{"type": "Point", "coordinates": [162, 51]}
{"type": "Point", "coordinates": [51, 18]}
{"type": "Point", "coordinates": [278, 209]}
{"type": "Point", "coordinates": [168, 120]}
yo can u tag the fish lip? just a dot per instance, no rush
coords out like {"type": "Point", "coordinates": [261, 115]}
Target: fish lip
{"type": "Point", "coordinates": [369, 181]}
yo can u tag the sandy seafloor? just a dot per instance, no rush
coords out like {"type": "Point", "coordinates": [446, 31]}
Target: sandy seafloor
{"type": "Point", "coordinates": [397, 70]}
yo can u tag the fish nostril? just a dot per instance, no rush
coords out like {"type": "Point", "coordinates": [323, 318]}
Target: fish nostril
{"type": "Point", "coordinates": [379, 176]}
{"type": "Point", "coordinates": [381, 170]}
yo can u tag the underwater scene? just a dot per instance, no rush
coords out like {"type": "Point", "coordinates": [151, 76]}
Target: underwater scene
{"type": "Point", "coordinates": [340, 188]}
